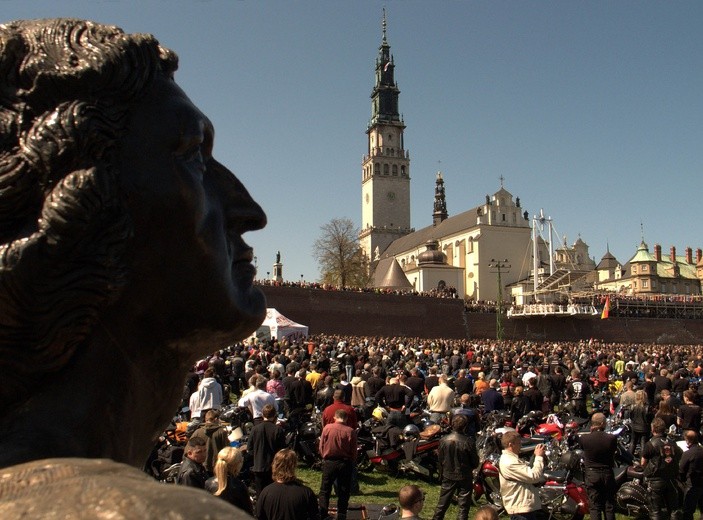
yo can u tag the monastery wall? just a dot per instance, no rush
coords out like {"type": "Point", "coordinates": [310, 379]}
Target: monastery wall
{"type": "Point", "coordinates": [370, 314]}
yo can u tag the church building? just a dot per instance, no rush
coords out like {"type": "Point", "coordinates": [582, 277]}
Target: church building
{"type": "Point", "coordinates": [465, 251]}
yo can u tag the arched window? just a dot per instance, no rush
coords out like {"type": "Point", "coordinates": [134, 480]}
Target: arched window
{"type": "Point", "coordinates": [376, 168]}
{"type": "Point", "coordinates": [395, 170]}
{"type": "Point", "coordinates": [385, 169]}
{"type": "Point", "coordinates": [402, 171]}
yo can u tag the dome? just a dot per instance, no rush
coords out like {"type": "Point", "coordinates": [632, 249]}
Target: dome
{"type": "Point", "coordinates": [431, 255]}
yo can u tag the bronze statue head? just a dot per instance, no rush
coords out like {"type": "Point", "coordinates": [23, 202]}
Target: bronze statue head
{"type": "Point", "coordinates": [121, 244]}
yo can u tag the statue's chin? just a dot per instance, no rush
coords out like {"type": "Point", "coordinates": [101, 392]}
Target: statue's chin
{"type": "Point", "coordinates": [253, 312]}
{"type": "Point", "coordinates": [236, 324]}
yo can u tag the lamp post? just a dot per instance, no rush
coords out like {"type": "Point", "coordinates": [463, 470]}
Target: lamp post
{"type": "Point", "coordinates": [301, 280]}
{"type": "Point", "coordinates": [499, 266]}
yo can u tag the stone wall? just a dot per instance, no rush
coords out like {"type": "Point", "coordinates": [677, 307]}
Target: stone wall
{"type": "Point", "coordinates": [364, 314]}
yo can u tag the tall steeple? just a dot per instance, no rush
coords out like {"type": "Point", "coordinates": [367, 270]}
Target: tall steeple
{"type": "Point", "coordinates": [385, 92]}
{"type": "Point", "coordinates": [385, 183]}
{"type": "Point", "coordinates": [440, 203]}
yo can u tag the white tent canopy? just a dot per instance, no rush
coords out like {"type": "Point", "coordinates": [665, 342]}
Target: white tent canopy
{"type": "Point", "coordinates": [277, 326]}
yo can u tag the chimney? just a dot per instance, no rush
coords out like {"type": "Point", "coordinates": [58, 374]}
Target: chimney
{"type": "Point", "coordinates": [657, 252]}
{"type": "Point", "coordinates": [672, 255]}
{"type": "Point", "coordinates": [689, 255]}
{"type": "Point", "coordinates": [699, 255]}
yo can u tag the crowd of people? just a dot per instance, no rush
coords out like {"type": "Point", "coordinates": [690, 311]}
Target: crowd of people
{"type": "Point", "coordinates": [446, 292]}
{"type": "Point", "coordinates": [341, 375]}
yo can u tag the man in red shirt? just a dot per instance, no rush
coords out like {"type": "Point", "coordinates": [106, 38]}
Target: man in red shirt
{"type": "Point", "coordinates": [338, 451]}
{"type": "Point", "coordinates": [328, 414]}
{"type": "Point", "coordinates": [603, 372]}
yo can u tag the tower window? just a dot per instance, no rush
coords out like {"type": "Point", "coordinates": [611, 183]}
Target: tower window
{"type": "Point", "coordinates": [385, 169]}
{"type": "Point", "coordinates": [390, 137]}
{"type": "Point", "coordinates": [376, 168]}
{"type": "Point", "coordinates": [402, 171]}
{"type": "Point", "coordinates": [395, 170]}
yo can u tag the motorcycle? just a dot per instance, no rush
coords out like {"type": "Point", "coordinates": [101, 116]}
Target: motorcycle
{"type": "Point", "coordinates": [304, 439]}
{"type": "Point", "coordinates": [556, 425]}
{"type": "Point", "coordinates": [562, 497]}
{"type": "Point", "coordinates": [632, 496]}
{"type": "Point", "coordinates": [365, 443]}
{"type": "Point", "coordinates": [487, 482]}
{"type": "Point", "coordinates": [168, 450]}
{"type": "Point", "coordinates": [410, 453]}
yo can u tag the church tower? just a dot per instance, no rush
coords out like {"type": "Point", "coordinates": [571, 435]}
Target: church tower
{"type": "Point", "coordinates": [385, 185]}
{"type": "Point", "coordinates": [440, 203]}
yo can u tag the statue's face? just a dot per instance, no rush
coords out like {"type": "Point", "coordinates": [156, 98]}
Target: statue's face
{"type": "Point", "coordinates": [191, 269]}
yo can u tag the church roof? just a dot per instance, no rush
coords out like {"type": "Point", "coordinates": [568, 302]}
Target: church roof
{"type": "Point", "coordinates": [389, 275]}
{"type": "Point", "coordinates": [450, 226]}
{"type": "Point", "coordinates": [607, 262]}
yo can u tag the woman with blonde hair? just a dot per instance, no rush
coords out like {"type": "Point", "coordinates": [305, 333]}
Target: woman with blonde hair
{"type": "Point", "coordinates": [225, 483]}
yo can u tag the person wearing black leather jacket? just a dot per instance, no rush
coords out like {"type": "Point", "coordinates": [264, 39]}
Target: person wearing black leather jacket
{"type": "Point", "coordinates": [457, 459]}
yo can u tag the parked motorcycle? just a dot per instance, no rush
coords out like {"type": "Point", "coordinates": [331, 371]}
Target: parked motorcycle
{"type": "Point", "coordinates": [303, 437]}
{"type": "Point", "coordinates": [562, 497]}
{"type": "Point", "coordinates": [632, 496]}
{"type": "Point", "coordinates": [409, 453]}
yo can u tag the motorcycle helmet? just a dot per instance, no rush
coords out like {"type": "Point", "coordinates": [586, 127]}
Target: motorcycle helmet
{"type": "Point", "coordinates": [379, 414]}
{"type": "Point", "coordinates": [425, 422]}
{"type": "Point", "coordinates": [411, 431]}
{"type": "Point", "coordinates": [570, 461]}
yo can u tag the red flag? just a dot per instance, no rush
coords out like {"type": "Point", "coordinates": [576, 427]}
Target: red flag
{"type": "Point", "coordinates": [612, 407]}
{"type": "Point", "coordinates": [606, 309]}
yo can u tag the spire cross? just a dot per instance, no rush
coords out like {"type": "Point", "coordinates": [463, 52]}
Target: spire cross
{"type": "Point", "coordinates": [642, 230]}
{"type": "Point", "coordinates": [501, 180]}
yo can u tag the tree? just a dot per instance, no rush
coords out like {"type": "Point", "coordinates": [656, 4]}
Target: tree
{"type": "Point", "coordinates": [341, 260]}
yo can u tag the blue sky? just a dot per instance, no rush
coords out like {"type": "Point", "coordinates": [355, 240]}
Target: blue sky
{"type": "Point", "coordinates": [590, 110]}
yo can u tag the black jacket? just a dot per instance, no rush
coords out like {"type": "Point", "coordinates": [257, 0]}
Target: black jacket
{"type": "Point", "coordinates": [236, 493]}
{"type": "Point", "coordinates": [192, 474]}
{"type": "Point", "coordinates": [691, 466]}
{"type": "Point", "coordinates": [265, 440]}
{"type": "Point", "coordinates": [457, 457]}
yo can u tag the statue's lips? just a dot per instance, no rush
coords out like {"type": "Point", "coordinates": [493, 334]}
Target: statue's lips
{"type": "Point", "coordinates": [243, 263]}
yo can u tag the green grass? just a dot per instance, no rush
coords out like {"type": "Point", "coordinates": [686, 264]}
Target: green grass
{"type": "Point", "coordinates": [379, 488]}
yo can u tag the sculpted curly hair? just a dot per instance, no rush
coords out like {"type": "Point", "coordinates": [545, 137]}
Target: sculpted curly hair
{"type": "Point", "coordinates": [66, 88]}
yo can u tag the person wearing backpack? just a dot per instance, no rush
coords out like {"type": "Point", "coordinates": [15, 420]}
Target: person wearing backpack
{"type": "Point", "coordinates": [660, 459]}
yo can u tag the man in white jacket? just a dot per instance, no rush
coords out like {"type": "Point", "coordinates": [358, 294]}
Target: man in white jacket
{"type": "Point", "coordinates": [209, 393]}
{"type": "Point", "coordinates": [520, 497]}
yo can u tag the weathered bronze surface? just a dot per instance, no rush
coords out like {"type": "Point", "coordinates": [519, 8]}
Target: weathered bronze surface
{"type": "Point", "coordinates": [121, 251]}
